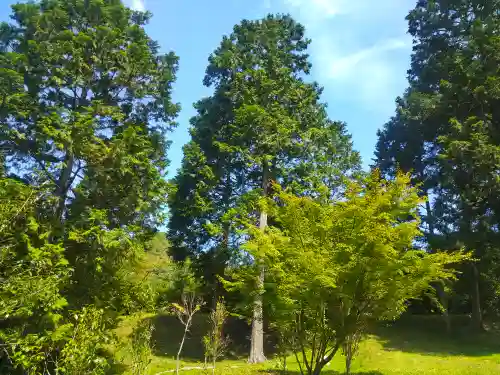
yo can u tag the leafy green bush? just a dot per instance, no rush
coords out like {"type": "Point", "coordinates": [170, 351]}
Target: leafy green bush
{"type": "Point", "coordinates": [140, 346]}
{"type": "Point", "coordinates": [85, 352]}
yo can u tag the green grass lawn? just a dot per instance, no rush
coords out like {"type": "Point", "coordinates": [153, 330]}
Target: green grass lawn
{"type": "Point", "coordinates": [416, 347]}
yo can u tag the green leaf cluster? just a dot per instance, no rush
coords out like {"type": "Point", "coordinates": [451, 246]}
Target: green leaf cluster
{"type": "Point", "coordinates": [335, 267]}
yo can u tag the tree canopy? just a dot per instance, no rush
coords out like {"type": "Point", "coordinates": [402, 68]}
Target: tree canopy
{"type": "Point", "coordinates": [86, 104]}
{"type": "Point", "coordinates": [444, 131]}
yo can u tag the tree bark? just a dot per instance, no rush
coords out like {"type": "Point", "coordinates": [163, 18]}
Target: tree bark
{"type": "Point", "coordinates": [348, 360]}
{"type": "Point", "coordinates": [222, 255]}
{"type": "Point", "coordinates": [61, 192]}
{"type": "Point", "coordinates": [477, 316]}
{"type": "Point", "coordinates": [430, 218]}
{"type": "Point", "coordinates": [444, 299]}
{"type": "Point", "coordinates": [63, 186]}
{"type": "Point", "coordinates": [177, 364]}
{"type": "Point", "coordinates": [257, 338]}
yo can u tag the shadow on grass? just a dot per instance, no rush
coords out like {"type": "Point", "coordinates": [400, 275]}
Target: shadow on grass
{"type": "Point", "coordinates": [115, 368]}
{"type": "Point", "coordinates": [413, 334]}
{"type": "Point", "coordinates": [427, 335]}
{"type": "Point", "coordinates": [168, 332]}
{"type": "Point", "coordinates": [324, 372]}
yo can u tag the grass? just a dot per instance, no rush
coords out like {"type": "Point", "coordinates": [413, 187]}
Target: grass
{"type": "Point", "coordinates": [415, 346]}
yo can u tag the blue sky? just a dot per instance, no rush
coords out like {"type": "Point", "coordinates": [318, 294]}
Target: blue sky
{"type": "Point", "coordinates": [360, 53]}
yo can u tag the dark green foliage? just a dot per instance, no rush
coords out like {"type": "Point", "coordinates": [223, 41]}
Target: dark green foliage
{"type": "Point", "coordinates": [94, 84]}
{"type": "Point", "coordinates": [85, 107]}
{"type": "Point", "coordinates": [261, 112]}
{"type": "Point", "coordinates": [95, 107]}
{"type": "Point", "coordinates": [446, 131]}
{"type": "Point", "coordinates": [33, 272]}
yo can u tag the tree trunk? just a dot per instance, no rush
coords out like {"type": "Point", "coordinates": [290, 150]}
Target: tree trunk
{"type": "Point", "coordinates": [443, 299]}
{"type": "Point", "coordinates": [177, 365]}
{"type": "Point", "coordinates": [477, 316]}
{"type": "Point", "coordinates": [61, 192]}
{"type": "Point", "coordinates": [257, 338]}
{"type": "Point", "coordinates": [447, 321]}
{"type": "Point", "coordinates": [222, 254]}
{"type": "Point", "coordinates": [63, 187]}
{"type": "Point", "coordinates": [317, 370]}
{"type": "Point", "coordinates": [430, 218]}
{"type": "Point", "coordinates": [348, 360]}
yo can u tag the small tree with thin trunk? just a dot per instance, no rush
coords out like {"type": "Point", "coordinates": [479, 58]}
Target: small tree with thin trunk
{"type": "Point", "coordinates": [189, 303]}
{"type": "Point", "coordinates": [214, 341]}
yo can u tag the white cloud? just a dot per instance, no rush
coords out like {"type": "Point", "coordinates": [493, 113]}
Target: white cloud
{"type": "Point", "coordinates": [138, 5]}
{"type": "Point", "coordinates": [323, 8]}
{"type": "Point", "coordinates": [344, 66]}
{"type": "Point", "coordinates": [360, 48]}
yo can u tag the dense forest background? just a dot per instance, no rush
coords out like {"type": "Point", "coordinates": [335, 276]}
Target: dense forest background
{"type": "Point", "coordinates": [271, 221]}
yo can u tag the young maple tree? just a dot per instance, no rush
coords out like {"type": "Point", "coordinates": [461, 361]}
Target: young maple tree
{"type": "Point", "coordinates": [336, 267]}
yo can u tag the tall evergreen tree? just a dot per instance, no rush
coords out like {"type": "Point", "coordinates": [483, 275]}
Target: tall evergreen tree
{"type": "Point", "coordinates": [446, 131]}
{"type": "Point", "coordinates": [262, 124]}
{"type": "Point", "coordinates": [84, 109]}
{"type": "Point", "coordinates": [89, 115]}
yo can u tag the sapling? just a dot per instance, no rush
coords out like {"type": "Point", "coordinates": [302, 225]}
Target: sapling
{"type": "Point", "coordinates": [141, 349]}
{"type": "Point", "coordinates": [190, 303]}
{"type": "Point", "coordinates": [214, 341]}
